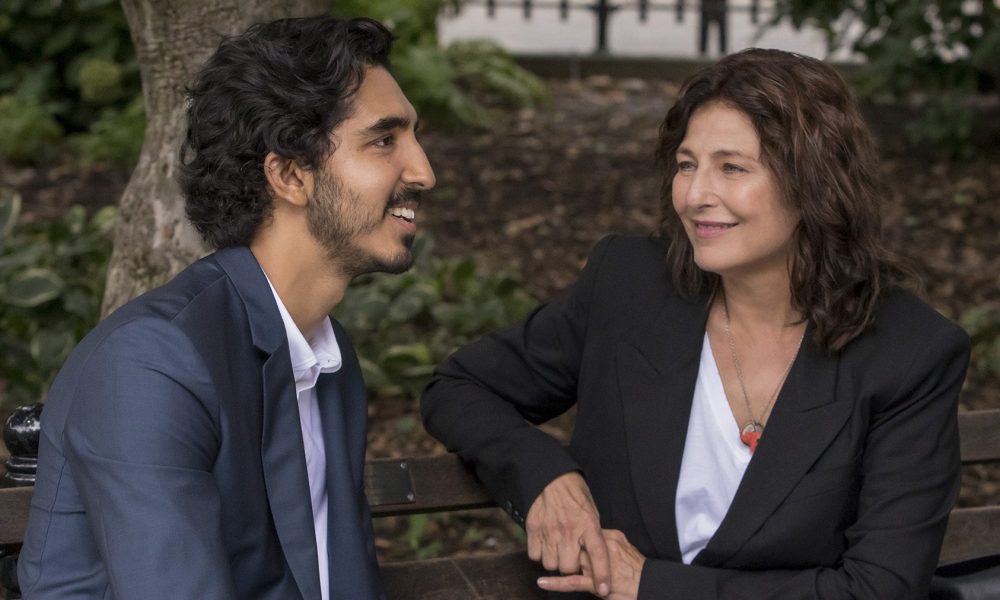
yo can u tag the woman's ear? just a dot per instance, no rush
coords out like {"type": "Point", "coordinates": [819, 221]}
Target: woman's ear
{"type": "Point", "coordinates": [289, 180]}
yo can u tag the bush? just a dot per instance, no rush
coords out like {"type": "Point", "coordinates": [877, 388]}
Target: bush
{"type": "Point", "coordinates": [983, 325]}
{"type": "Point", "coordinates": [52, 279]}
{"type": "Point", "coordinates": [934, 54]}
{"type": "Point", "coordinates": [404, 325]}
{"type": "Point", "coordinates": [68, 63]}
{"type": "Point", "coordinates": [453, 86]}
{"type": "Point", "coordinates": [51, 283]}
{"type": "Point", "coordinates": [115, 138]}
{"type": "Point", "coordinates": [28, 131]}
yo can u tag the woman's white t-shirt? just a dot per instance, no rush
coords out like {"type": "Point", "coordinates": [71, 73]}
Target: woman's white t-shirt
{"type": "Point", "coordinates": [713, 464]}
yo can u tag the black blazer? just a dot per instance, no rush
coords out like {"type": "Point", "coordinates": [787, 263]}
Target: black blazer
{"type": "Point", "coordinates": [847, 495]}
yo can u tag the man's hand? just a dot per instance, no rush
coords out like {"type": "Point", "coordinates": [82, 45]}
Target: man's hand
{"type": "Point", "coordinates": [626, 570]}
{"type": "Point", "coordinates": [562, 523]}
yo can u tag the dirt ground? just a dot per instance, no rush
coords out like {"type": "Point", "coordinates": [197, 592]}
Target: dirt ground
{"type": "Point", "coordinates": [534, 193]}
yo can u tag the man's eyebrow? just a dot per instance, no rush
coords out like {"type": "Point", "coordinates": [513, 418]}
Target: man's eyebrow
{"type": "Point", "coordinates": [385, 125]}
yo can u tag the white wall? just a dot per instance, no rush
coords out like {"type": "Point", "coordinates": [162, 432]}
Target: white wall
{"type": "Point", "coordinates": [660, 35]}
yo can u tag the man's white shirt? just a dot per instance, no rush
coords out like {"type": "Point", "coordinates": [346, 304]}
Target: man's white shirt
{"type": "Point", "coordinates": [320, 354]}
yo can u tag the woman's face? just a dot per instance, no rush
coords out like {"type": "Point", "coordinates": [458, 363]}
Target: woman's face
{"type": "Point", "coordinates": [728, 200]}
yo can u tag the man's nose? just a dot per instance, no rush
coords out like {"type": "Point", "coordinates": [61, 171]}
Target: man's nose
{"type": "Point", "coordinates": [418, 172]}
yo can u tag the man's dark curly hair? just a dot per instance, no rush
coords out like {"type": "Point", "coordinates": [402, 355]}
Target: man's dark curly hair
{"type": "Point", "coordinates": [279, 87]}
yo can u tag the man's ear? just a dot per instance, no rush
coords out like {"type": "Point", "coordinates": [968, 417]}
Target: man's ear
{"type": "Point", "coordinates": [290, 181]}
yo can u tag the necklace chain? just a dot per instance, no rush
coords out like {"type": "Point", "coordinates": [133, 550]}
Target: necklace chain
{"type": "Point", "coordinates": [754, 425]}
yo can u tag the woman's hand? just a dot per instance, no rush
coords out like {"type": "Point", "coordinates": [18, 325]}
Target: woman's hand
{"type": "Point", "coordinates": [562, 526]}
{"type": "Point", "coordinates": [626, 570]}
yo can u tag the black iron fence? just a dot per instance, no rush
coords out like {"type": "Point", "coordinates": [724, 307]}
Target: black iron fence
{"type": "Point", "coordinates": [709, 13]}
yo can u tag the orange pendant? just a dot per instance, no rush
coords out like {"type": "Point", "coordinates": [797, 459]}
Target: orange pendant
{"type": "Point", "coordinates": [751, 433]}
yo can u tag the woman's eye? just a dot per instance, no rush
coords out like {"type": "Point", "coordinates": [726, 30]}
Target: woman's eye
{"type": "Point", "coordinates": [731, 168]}
{"type": "Point", "coordinates": [685, 166]}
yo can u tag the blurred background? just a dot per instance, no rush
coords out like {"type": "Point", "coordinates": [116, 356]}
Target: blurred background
{"type": "Point", "coordinates": [540, 121]}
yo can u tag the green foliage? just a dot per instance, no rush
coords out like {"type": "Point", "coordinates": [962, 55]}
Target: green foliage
{"type": "Point", "coordinates": [419, 534]}
{"type": "Point", "coordinates": [490, 72]}
{"type": "Point", "coordinates": [52, 278]}
{"type": "Point", "coordinates": [115, 138]}
{"type": "Point", "coordinates": [453, 86]}
{"type": "Point", "coordinates": [933, 53]}
{"type": "Point", "coordinates": [404, 325]}
{"type": "Point", "coordinates": [983, 325]}
{"type": "Point", "coordinates": [51, 283]}
{"type": "Point", "coordinates": [413, 22]}
{"type": "Point", "coordinates": [28, 131]}
{"type": "Point", "coordinates": [100, 81]}
{"type": "Point", "coordinates": [68, 63]}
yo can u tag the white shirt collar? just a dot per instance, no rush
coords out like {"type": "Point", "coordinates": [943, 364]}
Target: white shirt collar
{"type": "Point", "coordinates": [309, 357]}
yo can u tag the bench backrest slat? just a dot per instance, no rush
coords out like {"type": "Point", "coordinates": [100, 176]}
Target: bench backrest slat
{"type": "Point", "coordinates": [971, 533]}
{"type": "Point", "coordinates": [980, 434]}
{"type": "Point", "coordinates": [441, 483]}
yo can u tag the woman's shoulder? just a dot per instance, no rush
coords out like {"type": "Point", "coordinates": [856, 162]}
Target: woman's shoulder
{"type": "Point", "coordinates": [650, 247]}
{"type": "Point", "coordinates": [908, 331]}
{"type": "Point", "coordinates": [903, 315]}
{"type": "Point", "coordinates": [623, 257]}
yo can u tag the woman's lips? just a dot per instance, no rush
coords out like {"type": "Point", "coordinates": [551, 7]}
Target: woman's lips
{"type": "Point", "coordinates": [711, 229]}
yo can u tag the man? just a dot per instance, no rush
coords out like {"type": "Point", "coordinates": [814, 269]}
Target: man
{"type": "Point", "coordinates": [207, 440]}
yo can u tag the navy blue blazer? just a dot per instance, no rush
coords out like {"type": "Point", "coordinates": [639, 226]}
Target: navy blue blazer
{"type": "Point", "coordinates": [171, 460]}
{"type": "Point", "coordinates": [847, 495]}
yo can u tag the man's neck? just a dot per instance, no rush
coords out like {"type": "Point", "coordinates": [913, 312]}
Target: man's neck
{"type": "Point", "coordinates": [303, 277]}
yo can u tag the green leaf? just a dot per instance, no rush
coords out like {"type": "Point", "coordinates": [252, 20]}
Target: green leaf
{"type": "Point", "coordinates": [60, 41]}
{"type": "Point", "coordinates": [404, 356]}
{"type": "Point", "coordinates": [51, 347]}
{"type": "Point", "coordinates": [103, 221]}
{"type": "Point", "coordinates": [33, 287]}
{"type": "Point", "coordinates": [75, 218]}
{"type": "Point", "coordinates": [373, 374]}
{"type": "Point", "coordinates": [80, 303]}
{"type": "Point", "coordinates": [10, 209]}
{"type": "Point", "coordinates": [29, 254]}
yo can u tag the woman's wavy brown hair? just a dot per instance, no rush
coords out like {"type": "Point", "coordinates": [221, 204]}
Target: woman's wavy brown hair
{"type": "Point", "coordinates": [822, 155]}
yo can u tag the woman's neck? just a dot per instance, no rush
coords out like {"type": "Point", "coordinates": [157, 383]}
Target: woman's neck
{"type": "Point", "coordinates": [760, 301]}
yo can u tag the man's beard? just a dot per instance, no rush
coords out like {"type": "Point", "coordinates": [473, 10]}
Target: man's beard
{"type": "Point", "coordinates": [337, 218]}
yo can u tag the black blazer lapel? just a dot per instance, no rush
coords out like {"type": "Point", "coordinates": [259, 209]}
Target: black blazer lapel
{"type": "Point", "coordinates": [804, 421]}
{"type": "Point", "coordinates": [657, 374]}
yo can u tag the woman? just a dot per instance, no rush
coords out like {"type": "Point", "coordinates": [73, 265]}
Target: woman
{"type": "Point", "coordinates": [761, 411]}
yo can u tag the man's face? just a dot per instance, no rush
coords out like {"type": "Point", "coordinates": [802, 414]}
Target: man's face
{"type": "Point", "coordinates": [366, 194]}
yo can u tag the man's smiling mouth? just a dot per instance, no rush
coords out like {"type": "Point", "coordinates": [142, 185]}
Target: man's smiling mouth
{"type": "Point", "coordinates": [407, 214]}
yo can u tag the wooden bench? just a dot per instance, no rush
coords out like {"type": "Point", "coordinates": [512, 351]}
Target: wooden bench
{"type": "Point", "coordinates": [442, 483]}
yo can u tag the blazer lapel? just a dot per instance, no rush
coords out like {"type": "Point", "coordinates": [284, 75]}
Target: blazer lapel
{"type": "Point", "coordinates": [804, 421]}
{"type": "Point", "coordinates": [285, 474]}
{"type": "Point", "coordinates": [657, 374]}
{"type": "Point", "coordinates": [343, 408]}
{"type": "Point", "coordinates": [282, 454]}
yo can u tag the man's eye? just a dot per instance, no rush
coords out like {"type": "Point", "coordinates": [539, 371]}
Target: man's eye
{"type": "Point", "coordinates": [384, 142]}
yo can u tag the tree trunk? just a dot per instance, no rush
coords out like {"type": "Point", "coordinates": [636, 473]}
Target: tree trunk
{"type": "Point", "coordinates": [173, 38]}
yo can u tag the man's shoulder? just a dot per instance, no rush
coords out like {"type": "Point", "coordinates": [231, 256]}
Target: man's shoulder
{"type": "Point", "coordinates": [206, 289]}
{"type": "Point", "coordinates": [198, 305]}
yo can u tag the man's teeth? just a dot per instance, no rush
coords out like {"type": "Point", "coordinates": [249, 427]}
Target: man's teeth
{"type": "Point", "coordinates": [406, 213]}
